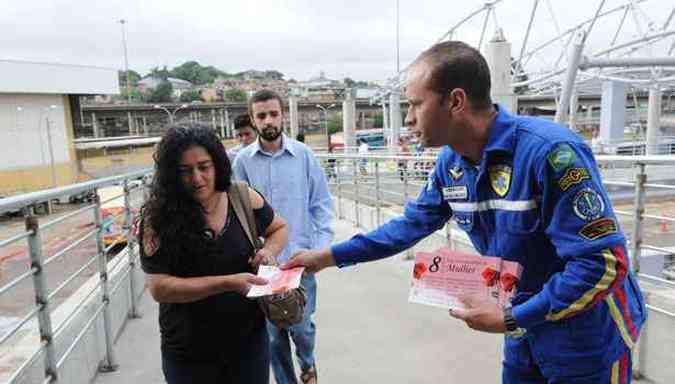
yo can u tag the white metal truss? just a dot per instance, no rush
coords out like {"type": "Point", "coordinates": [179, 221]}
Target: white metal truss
{"type": "Point", "coordinates": [540, 66]}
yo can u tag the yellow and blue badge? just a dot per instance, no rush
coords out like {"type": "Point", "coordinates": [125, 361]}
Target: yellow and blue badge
{"type": "Point", "coordinates": [500, 178]}
{"type": "Point", "coordinates": [456, 173]}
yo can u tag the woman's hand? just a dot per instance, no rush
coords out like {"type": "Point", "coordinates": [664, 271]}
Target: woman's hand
{"type": "Point", "coordinates": [242, 282]}
{"type": "Point", "coordinates": [263, 257]}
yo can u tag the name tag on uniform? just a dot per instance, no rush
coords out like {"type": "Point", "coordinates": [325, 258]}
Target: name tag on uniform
{"type": "Point", "coordinates": [455, 193]}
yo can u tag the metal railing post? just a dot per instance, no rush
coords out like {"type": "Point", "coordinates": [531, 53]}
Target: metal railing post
{"type": "Point", "coordinates": [356, 193]}
{"type": "Point", "coordinates": [636, 242]}
{"type": "Point", "coordinates": [638, 218]}
{"type": "Point", "coordinates": [405, 182]}
{"type": "Point", "coordinates": [109, 364]}
{"type": "Point", "coordinates": [41, 299]}
{"type": "Point", "coordinates": [378, 203]}
{"type": "Point", "coordinates": [131, 241]}
{"type": "Point", "coordinates": [339, 189]}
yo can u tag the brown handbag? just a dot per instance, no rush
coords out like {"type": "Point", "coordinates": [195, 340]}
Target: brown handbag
{"type": "Point", "coordinates": [282, 310]}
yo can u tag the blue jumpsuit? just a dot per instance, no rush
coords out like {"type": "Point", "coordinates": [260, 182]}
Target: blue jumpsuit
{"type": "Point", "coordinates": [536, 198]}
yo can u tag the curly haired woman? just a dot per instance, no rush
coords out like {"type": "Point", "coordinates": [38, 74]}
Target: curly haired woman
{"type": "Point", "coordinates": [199, 266]}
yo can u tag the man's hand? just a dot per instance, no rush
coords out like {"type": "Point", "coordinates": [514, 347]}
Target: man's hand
{"type": "Point", "coordinates": [242, 282]}
{"type": "Point", "coordinates": [312, 260]}
{"type": "Point", "coordinates": [480, 314]}
{"type": "Point", "coordinates": [262, 257]}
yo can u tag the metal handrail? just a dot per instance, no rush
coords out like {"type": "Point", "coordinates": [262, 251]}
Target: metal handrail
{"type": "Point", "coordinates": [72, 277]}
{"type": "Point", "coordinates": [66, 216]}
{"type": "Point", "coordinates": [20, 201]}
{"type": "Point", "coordinates": [17, 280]}
{"type": "Point", "coordinates": [69, 248]}
{"type": "Point", "coordinates": [77, 309]}
{"type": "Point", "coordinates": [15, 238]}
{"type": "Point", "coordinates": [37, 270]}
{"type": "Point", "coordinates": [20, 324]}
{"type": "Point", "coordinates": [80, 335]}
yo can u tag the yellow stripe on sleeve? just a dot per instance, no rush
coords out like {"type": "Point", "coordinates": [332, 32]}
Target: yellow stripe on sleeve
{"type": "Point", "coordinates": [619, 320]}
{"type": "Point", "coordinates": [602, 285]}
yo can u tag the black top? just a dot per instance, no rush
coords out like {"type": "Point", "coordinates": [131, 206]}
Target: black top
{"type": "Point", "coordinates": [214, 327]}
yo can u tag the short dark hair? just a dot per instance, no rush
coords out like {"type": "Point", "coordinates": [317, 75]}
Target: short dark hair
{"type": "Point", "coordinates": [242, 121]}
{"type": "Point", "coordinates": [264, 95]}
{"type": "Point", "coordinates": [455, 64]}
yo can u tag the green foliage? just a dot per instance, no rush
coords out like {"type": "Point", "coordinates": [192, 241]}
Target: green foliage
{"type": "Point", "coordinates": [191, 95]}
{"type": "Point", "coordinates": [136, 95]}
{"type": "Point", "coordinates": [378, 120]}
{"type": "Point", "coordinates": [235, 95]}
{"type": "Point", "coordinates": [274, 75]}
{"type": "Point", "coordinates": [134, 77]}
{"type": "Point", "coordinates": [160, 73]}
{"type": "Point", "coordinates": [162, 93]}
{"type": "Point", "coordinates": [349, 83]}
{"type": "Point", "coordinates": [334, 123]}
{"type": "Point", "coordinates": [197, 74]}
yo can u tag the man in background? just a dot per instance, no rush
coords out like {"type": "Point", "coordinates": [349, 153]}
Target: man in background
{"type": "Point", "coordinates": [291, 179]}
{"type": "Point", "coordinates": [246, 135]}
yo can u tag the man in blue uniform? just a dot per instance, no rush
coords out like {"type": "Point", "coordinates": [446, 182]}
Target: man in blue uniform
{"type": "Point", "coordinates": [525, 190]}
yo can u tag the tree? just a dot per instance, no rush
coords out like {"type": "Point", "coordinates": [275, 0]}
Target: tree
{"type": "Point", "coordinates": [197, 74]}
{"type": "Point", "coordinates": [274, 75]}
{"type": "Point", "coordinates": [334, 123]}
{"type": "Point", "coordinates": [235, 94]}
{"type": "Point", "coordinates": [136, 95]}
{"type": "Point", "coordinates": [349, 83]}
{"type": "Point", "coordinates": [134, 77]}
{"type": "Point", "coordinates": [160, 73]}
{"type": "Point", "coordinates": [378, 120]}
{"type": "Point", "coordinates": [191, 95]}
{"type": "Point", "coordinates": [162, 93]}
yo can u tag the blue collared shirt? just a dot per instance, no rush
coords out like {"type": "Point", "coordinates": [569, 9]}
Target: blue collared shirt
{"type": "Point", "coordinates": [294, 184]}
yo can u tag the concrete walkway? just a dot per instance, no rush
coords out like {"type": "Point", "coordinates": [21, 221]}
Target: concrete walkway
{"type": "Point", "coordinates": [367, 332]}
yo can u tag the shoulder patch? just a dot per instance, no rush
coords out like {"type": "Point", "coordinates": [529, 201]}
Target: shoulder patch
{"type": "Point", "coordinates": [562, 157]}
{"type": "Point", "coordinates": [598, 229]}
{"type": "Point", "coordinates": [588, 204]}
{"type": "Point", "coordinates": [500, 178]}
{"type": "Point", "coordinates": [573, 176]}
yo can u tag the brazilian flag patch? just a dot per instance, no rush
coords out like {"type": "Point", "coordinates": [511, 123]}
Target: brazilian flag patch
{"type": "Point", "coordinates": [562, 157]}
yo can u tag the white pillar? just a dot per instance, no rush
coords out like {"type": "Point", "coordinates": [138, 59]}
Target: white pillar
{"type": "Point", "coordinates": [293, 114]}
{"type": "Point", "coordinates": [222, 123]}
{"type": "Point", "coordinates": [498, 57]}
{"type": "Point", "coordinates": [612, 113]}
{"type": "Point", "coordinates": [94, 125]}
{"type": "Point", "coordinates": [394, 118]}
{"type": "Point", "coordinates": [385, 118]}
{"type": "Point", "coordinates": [348, 119]}
{"type": "Point", "coordinates": [562, 114]}
{"type": "Point", "coordinates": [228, 126]}
{"type": "Point", "coordinates": [654, 120]}
{"type": "Point", "coordinates": [213, 120]}
{"type": "Point", "coordinates": [574, 104]}
{"type": "Point", "coordinates": [131, 124]}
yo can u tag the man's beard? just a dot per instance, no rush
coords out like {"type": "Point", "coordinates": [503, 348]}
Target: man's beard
{"type": "Point", "coordinates": [270, 134]}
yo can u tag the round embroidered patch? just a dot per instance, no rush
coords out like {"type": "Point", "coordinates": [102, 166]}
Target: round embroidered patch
{"type": "Point", "coordinates": [588, 204]}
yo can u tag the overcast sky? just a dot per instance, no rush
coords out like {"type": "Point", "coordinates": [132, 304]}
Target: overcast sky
{"type": "Point", "coordinates": [355, 38]}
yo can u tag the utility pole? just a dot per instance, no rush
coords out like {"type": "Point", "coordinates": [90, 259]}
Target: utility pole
{"type": "Point", "coordinates": [126, 60]}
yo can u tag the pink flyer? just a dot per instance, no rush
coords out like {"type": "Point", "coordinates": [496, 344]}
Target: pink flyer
{"type": "Point", "coordinates": [439, 277]}
{"type": "Point", "coordinates": [278, 281]}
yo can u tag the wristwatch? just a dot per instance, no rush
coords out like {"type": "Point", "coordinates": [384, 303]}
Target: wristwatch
{"type": "Point", "coordinates": [512, 328]}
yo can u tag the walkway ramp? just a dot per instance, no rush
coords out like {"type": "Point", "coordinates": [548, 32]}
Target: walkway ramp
{"type": "Point", "coordinates": [367, 332]}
